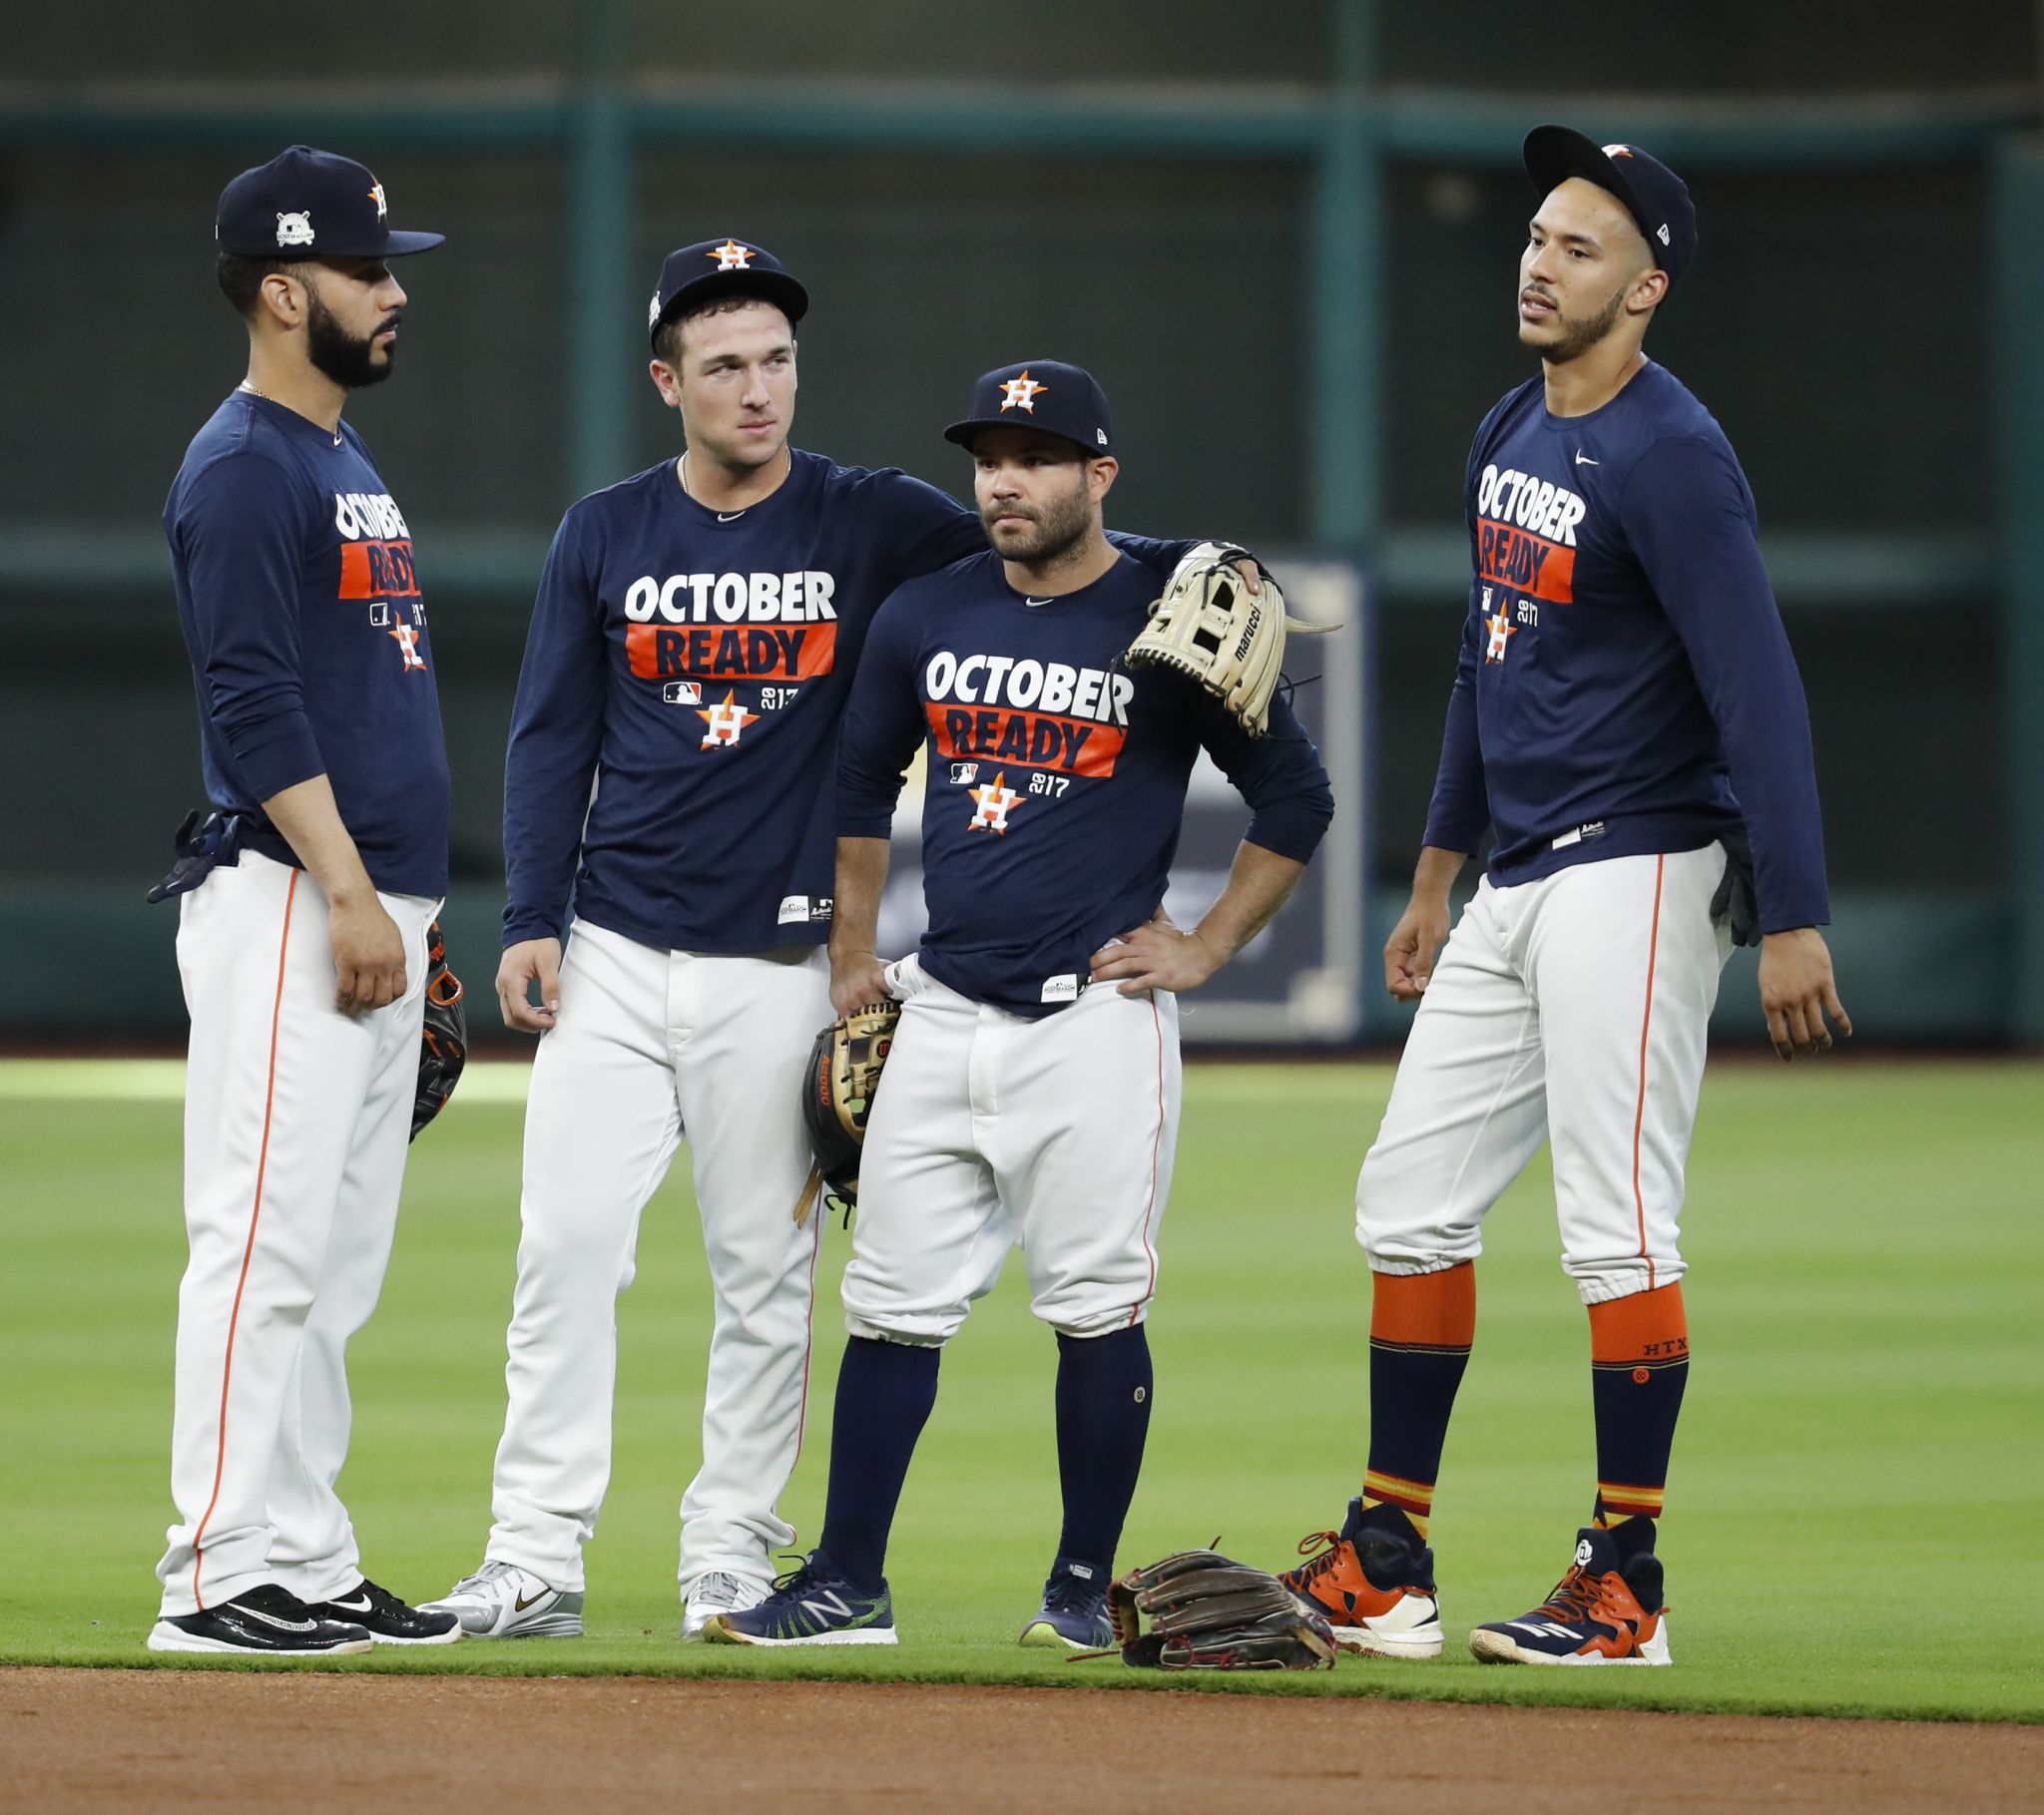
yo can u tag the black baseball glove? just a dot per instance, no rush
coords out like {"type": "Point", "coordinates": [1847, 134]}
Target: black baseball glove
{"type": "Point", "coordinates": [838, 1084]}
{"type": "Point", "coordinates": [1210, 1612]}
{"type": "Point", "coordinates": [443, 1042]}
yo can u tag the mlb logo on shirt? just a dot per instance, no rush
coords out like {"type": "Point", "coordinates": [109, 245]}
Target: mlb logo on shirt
{"type": "Point", "coordinates": [681, 692]}
{"type": "Point", "coordinates": [964, 773]}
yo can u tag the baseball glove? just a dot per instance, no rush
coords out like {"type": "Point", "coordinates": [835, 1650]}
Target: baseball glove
{"type": "Point", "coordinates": [1210, 1612]}
{"type": "Point", "coordinates": [838, 1084]}
{"type": "Point", "coordinates": [1209, 625]}
{"type": "Point", "coordinates": [443, 1041]}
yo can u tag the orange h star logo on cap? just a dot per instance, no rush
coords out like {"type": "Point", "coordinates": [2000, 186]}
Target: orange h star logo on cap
{"type": "Point", "coordinates": [1021, 393]}
{"type": "Point", "coordinates": [731, 256]}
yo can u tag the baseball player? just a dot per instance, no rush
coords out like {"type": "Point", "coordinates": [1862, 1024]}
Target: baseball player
{"type": "Point", "coordinates": [1626, 718]}
{"type": "Point", "coordinates": [1032, 1093]}
{"type": "Point", "coordinates": [304, 905]}
{"type": "Point", "coordinates": [692, 645]}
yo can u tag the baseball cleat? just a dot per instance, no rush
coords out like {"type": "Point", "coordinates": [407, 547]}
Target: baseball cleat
{"type": "Point", "coordinates": [1074, 1612]}
{"type": "Point", "coordinates": [502, 1601]}
{"type": "Point", "coordinates": [809, 1606]}
{"type": "Point", "coordinates": [266, 1621]}
{"type": "Point", "coordinates": [719, 1591]}
{"type": "Point", "coordinates": [387, 1619]}
{"type": "Point", "coordinates": [1374, 1580]}
{"type": "Point", "coordinates": [1598, 1613]}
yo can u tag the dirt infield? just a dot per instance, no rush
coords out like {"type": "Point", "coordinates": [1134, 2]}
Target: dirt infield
{"type": "Point", "coordinates": [136, 1740]}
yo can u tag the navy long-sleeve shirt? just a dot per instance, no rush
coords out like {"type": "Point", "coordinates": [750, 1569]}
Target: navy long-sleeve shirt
{"type": "Point", "coordinates": [1057, 776]}
{"type": "Point", "coordinates": [1625, 683]}
{"type": "Point", "coordinates": [694, 665]}
{"type": "Point", "coordinates": [298, 598]}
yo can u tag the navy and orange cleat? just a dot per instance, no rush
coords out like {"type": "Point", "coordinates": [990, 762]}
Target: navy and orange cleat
{"type": "Point", "coordinates": [1374, 1580]}
{"type": "Point", "coordinates": [1604, 1611]}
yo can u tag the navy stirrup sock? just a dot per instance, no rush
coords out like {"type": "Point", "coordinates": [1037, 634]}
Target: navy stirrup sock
{"type": "Point", "coordinates": [1104, 1396]}
{"type": "Point", "coordinates": [885, 1394]}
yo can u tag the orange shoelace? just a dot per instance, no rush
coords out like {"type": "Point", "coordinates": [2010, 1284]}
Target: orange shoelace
{"type": "Point", "coordinates": [1325, 1560]}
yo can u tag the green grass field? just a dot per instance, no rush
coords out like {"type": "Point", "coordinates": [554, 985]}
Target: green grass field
{"type": "Point", "coordinates": [1854, 1510]}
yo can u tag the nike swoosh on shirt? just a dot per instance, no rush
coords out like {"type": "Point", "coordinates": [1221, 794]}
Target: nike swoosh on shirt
{"type": "Point", "coordinates": [731, 516]}
{"type": "Point", "coordinates": [1583, 459]}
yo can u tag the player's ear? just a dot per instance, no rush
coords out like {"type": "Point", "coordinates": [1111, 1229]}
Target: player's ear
{"type": "Point", "coordinates": [667, 381]}
{"type": "Point", "coordinates": [1100, 476]}
{"type": "Point", "coordinates": [281, 298]}
{"type": "Point", "coordinates": [1648, 291]}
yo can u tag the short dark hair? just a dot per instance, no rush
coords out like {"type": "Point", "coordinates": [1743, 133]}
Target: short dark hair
{"type": "Point", "coordinates": [240, 279]}
{"type": "Point", "coordinates": [666, 342]}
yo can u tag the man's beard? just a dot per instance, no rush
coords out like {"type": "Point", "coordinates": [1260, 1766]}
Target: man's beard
{"type": "Point", "coordinates": [350, 362]}
{"type": "Point", "coordinates": [1579, 333]}
{"type": "Point", "coordinates": [1058, 527]}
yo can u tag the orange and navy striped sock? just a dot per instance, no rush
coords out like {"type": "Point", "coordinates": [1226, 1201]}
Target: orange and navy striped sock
{"type": "Point", "coordinates": [1421, 1327]}
{"type": "Point", "coordinates": [1639, 1365]}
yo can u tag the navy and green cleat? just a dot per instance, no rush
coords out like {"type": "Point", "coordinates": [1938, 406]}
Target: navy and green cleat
{"type": "Point", "coordinates": [809, 1606]}
{"type": "Point", "coordinates": [1074, 1612]}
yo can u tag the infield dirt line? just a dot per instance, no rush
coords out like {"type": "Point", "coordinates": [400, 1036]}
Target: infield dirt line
{"type": "Point", "coordinates": [127, 1740]}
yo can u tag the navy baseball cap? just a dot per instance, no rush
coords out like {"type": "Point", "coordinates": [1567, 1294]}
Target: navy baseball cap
{"type": "Point", "coordinates": [1656, 197]}
{"type": "Point", "coordinates": [310, 201]}
{"type": "Point", "coordinates": [714, 269]}
{"type": "Point", "coordinates": [1039, 393]}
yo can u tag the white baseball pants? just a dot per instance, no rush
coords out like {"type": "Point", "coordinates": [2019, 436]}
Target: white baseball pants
{"type": "Point", "coordinates": [649, 1044]}
{"type": "Point", "coordinates": [1573, 1010]}
{"type": "Point", "coordinates": [297, 1120]}
{"type": "Point", "coordinates": [991, 1130]}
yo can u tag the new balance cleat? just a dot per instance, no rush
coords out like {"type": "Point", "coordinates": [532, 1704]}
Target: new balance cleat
{"type": "Point", "coordinates": [388, 1619]}
{"type": "Point", "coordinates": [809, 1606]}
{"type": "Point", "coordinates": [1073, 1616]}
{"type": "Point", "coordinates": [719, 1591]}
{"type": "Point", "coordinates": [502, 1601]}
{"type": "Point", "coordinates": [266, 1621]}
{"type": "Point", "coordinates": [1374, 1580]}
{"type": "Point", "coordinates": [1604, 1611]}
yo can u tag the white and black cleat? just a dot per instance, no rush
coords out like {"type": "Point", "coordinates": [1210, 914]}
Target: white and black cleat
{"type": "Point", "coordinates": [266, 1621]}
{"type": "Point", "coordinates": [388, 1619]}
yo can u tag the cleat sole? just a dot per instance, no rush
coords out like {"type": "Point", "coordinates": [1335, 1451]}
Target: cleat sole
{"type": "Point", "coordinates": [167, 1637]}
{"type": "Point", "coordinates": [718, 1631]}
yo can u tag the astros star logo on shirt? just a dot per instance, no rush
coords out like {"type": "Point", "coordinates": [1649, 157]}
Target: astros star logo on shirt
{"type": "Point", "coordinates": [727, 721]}
{"type": "Point", "coordinates": [407, 635]}
{"type": "Point", "coordinates": [1021, 393]}
{"type": "Point", "coordinates": [1502, 631]}
{"type": "Point", "coordinates": [731, 256]}
{"type": "Point", "coordinates": [993, 802]}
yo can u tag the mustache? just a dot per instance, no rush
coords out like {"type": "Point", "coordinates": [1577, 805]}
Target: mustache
{"type": "Point", "coordinates": [389, 321]}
